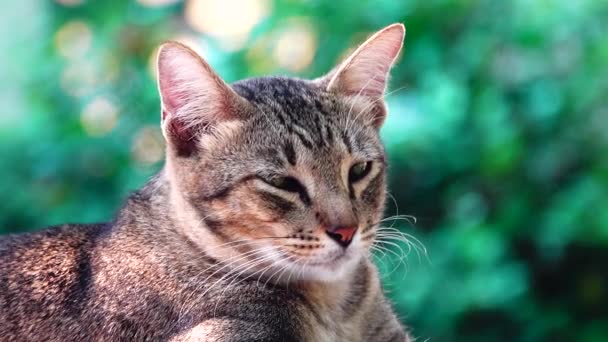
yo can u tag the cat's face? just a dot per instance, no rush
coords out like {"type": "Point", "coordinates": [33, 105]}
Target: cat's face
{"type": "Point", "coordinates": [282, 178]}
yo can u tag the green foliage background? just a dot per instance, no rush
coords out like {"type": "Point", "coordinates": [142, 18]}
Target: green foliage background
{"type": "Point", "coordinates": [497, 136]}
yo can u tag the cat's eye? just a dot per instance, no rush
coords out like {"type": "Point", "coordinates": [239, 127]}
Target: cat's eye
{"type": "Point", "coordinates": [284, 183]}
{"type": "Point", "coordinates": [359, 171]}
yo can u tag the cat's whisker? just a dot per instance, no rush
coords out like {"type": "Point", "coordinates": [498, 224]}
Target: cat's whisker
{"type": "Point", "coordinates": [224, 260]}
{"type": "Point", "coordinates": [384, 234]}
{"type": "Point", "coordinates": [244, 268]}
{"type": "Point", "coordinates": [389, 195]}
{"type": "Point", "coordinates": [239, 243]}
{"type": "Point", "coordinates": [384, 237]}
{"type": "Point", "coordinates": [416, 243]}
{"type": "Point", "coordinates": [303, 268]}
{"type": "Point", "coordinates": [287, 256]}
{"type": "Point", "coordinates": [400, 257]}
{"type": "Point", "coordinates": [235, 259]}
{"type": "Point", "coordinates": [409, 240]}
{"type": "Point", "coordinates": [295, 262]}
{"type": "Point", "coordinates": [374, 247]}
{"type": "Point", "coordinates": [240, 257]}
{"type": "Point", "coordinates": [230, 244]}
{"type": "Point", "coordinates": [232, 274]}
{"type": "Point", "coordinates": [281, 269]}
{"type": "Point", "coordinates": [253, 240]}
{"type": "Point", "coordinates": [348, 116]}
{"type": "Point", "coordinates": [382, 98]}
{"type": "Point", "coordinates": [397, 231]}
{"type": "Point", "coordinates": [403, 255]}
{"type": "Point", "coordinates": [254, 263]}
{"type": "Point", "coordinates": [285, 267]}
{"type": "Point", "coordinates": [381, 259]}
{"type": "Point", "coordinates": [263, 271]}
{"type": "Point", "coordinates": [409, 218]}
{"type": "Point", "coordinates": [388, 274]}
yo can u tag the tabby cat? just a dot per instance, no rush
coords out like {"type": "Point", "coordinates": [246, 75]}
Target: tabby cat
{"type": "Point", "coordinates": [258, 228]}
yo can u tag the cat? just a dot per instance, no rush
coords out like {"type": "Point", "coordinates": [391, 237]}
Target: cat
{"type": "Point", "coordinates": [258, 228]}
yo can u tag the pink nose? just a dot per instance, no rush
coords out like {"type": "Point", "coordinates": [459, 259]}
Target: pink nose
{"type": "Point", "coordinates": [342, 235]}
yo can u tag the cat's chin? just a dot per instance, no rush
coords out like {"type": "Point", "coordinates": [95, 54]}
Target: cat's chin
{"type": "Point", "coordinates": [326, 271]}
{"type": "Point", "coordinates": [329, 273]}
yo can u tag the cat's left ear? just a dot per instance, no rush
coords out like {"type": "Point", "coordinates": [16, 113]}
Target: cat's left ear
{"type": "Point", "coordinates": [365, 71]}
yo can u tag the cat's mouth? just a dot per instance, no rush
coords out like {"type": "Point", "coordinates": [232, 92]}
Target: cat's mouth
{"type": "Point", "coordinates": [282, 264]}
{"type": "Point", "coordinates": [328, 267]}
{"type": "Point", "coordinates": [330, 260]}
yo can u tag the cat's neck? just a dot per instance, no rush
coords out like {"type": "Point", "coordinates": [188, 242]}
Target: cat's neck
{"type": "Point", "coordinates": [149, 216]}
{"type": "Point", "coordinates": [160, 203]}
{"type": "Point", "coordinates": [336, 295]}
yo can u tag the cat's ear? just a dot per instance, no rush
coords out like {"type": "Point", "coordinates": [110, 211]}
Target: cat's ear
{"type": "Point", "coordinates": [194, 98]}
{"type": "Point", "coordinates": [365, 72]}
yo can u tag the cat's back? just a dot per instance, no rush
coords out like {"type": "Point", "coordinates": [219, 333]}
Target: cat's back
{"type": "Point", "coordinates": [42, 274]}
{"type": "Point", "coordinates": [47, 256]}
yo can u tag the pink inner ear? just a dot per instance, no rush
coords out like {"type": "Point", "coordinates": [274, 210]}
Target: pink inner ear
{"type": "Point", "coordinates": [193, 96]}
{"type": "Point", "coordinates": [172, 98]}
{"type": "Point", "coordinates": [182, 77]}
{"type": "Point", "coordinates": [183, 138]}
{"type": "Point", "coordinates": [365, 72]}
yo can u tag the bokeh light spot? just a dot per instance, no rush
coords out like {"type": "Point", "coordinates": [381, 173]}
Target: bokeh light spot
{"type": "Point", "coordinates": [157, 3]}
{"type": "Point", "coordinates": [99, 116]}
{"type": "Point", "coordinates": [79, 79]}
{"type": "Point", "coordinates": [73, 39]}
{"type": "Point", "coordinates": [295, 47]}
{"type": "Point", "coordinates": [193, 42]}
{"type": "Point", "coordinates": [69, 3]}
{"type": "Point", "coordinates": [230, 21]}
{"type": "Point", "coordinates": [148, 146]}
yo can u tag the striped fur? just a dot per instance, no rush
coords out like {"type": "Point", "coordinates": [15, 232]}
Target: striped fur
{"type": "Point", "coordinates": [220, 245]}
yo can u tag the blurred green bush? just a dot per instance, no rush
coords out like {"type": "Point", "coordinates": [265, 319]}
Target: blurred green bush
{"type": "Point", "coordinates": [497, 135]}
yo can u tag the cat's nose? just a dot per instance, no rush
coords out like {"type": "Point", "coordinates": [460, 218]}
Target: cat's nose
{"type": "Point", "coordinates": [342, 235]}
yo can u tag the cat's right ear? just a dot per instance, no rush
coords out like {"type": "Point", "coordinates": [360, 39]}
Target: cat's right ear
{"type": "Point", "coordinates": [194, 98]}
{"type": "Point", "coordinates": [365, 72]}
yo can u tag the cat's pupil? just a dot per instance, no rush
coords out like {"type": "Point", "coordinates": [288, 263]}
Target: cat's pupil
{"type": "Point", "coordinates": [358, 171]}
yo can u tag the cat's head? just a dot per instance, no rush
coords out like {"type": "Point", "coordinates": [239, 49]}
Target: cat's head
{"type": "Point", "coordinates": [283, 178]}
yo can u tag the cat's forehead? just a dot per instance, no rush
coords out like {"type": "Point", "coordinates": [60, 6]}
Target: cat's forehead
{"type": "Point", "coordinates": [290, 101]}
{"type": "Point", "coordinates": [283, 90]}
{"type": "Point", "coordinates": [297, 120]}
{"type": "Point", "coordinates": [291, 107]}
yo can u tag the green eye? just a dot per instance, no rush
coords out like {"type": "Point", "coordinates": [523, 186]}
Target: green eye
{"type": "Point", "coordinates": [358, 171]}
